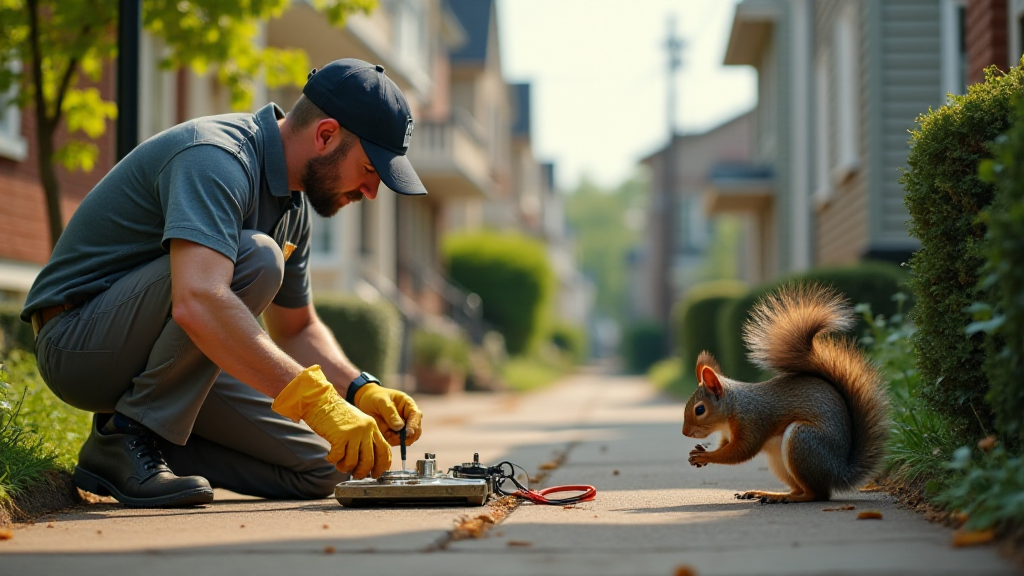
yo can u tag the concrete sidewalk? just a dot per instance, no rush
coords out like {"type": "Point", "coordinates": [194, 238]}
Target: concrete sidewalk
{"type": "Point", "coordinates": [653, 513]}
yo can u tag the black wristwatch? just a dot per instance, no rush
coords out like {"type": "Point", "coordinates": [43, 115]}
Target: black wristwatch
{"type": "Point", "coordinates": [360, 381]}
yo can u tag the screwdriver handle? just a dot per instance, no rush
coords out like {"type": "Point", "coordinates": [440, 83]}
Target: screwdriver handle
{"type": "Point", "coordinates": [401, 439]}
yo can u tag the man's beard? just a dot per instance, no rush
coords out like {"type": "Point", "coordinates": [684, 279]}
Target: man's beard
{"type": "Point", "coordinates": [319, 178]}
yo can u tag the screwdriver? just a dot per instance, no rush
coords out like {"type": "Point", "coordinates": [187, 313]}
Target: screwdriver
{"type": "Point", "coordinates": [401, 439]}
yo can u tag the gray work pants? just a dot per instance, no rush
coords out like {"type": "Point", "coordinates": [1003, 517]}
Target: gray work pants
{"type": "Point", "coordinates": [123, 351]}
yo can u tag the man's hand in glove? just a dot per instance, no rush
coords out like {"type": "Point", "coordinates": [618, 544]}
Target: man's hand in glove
{"type": "Point", "coordinates": [392, 410]}
{"type": "Point", "coordinates": [357, 445]}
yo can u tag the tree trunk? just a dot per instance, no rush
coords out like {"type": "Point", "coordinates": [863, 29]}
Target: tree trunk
{"type": "Point", "coordinates": [48, 174]}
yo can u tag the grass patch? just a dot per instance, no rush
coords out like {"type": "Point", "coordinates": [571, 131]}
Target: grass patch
{"type": "Point", "coordinates": [38, 432]}
{"type": "Point", "coordinates": [525, 373]}
{"type": "Point", "coordinates": [672, 377]}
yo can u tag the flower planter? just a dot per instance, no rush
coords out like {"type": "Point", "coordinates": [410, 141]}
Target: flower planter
{"type": "Point", "coordinates": [430, 380]}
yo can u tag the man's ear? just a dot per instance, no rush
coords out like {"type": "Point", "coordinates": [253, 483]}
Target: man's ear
{"type": "Point", "coordinates": [709, 378]}
{"type": "Point", "coordinates": [326, 131]}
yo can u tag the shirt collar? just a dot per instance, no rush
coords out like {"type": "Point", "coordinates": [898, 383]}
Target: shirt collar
{"type": "Point", "coordinates": [275, 170]}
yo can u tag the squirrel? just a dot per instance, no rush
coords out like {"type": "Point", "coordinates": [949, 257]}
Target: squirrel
{"type": "Point", "coordinates": [822, 421]}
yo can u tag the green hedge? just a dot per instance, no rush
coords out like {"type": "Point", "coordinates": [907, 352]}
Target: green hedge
{"type": "Point", "coordinates": [870, 282]}
{"type": "Point", "coordinates": [1004, 272]}
{"type": "Point", "coordinates": [945, 196]}
{"type": "Point", "coordinates": [570, 339]}
{"type": "Point", "coordinates": [695, 320]}
{"type": "Point", "coordinates": [370, 334]}
{"type": "Point", "coordinates": [14, 334]}
{"type": "Point", "coordinates": [643, 344]}
{"type": "Point", "coordinates": [511, 274]}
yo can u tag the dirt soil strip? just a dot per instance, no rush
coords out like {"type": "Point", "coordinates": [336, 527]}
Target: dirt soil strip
{"type": "Point", "coordinates": [54, 492]}
{"type": "Point", "coordinates": [477, 526]}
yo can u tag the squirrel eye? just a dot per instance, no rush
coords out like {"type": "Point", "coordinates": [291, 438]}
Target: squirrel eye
{"type": "Point", "coordinates": [699, 410]}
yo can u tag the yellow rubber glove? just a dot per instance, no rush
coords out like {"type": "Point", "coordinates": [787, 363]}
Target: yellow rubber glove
{"type": "Point", "coordinates": [391, 409]}
{"type": "Point", "coordinates": [357, 446]}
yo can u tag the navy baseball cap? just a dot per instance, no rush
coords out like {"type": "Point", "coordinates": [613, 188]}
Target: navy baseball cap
{"type": "Point", "coordinates": [367, 103]}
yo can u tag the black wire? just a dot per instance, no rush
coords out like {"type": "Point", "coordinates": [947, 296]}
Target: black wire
{"type": "Point", "coordinates": [502, 477]}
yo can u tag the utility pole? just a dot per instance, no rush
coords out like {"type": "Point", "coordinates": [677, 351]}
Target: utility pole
{"type": "Point", "coordinates": [669, 208]}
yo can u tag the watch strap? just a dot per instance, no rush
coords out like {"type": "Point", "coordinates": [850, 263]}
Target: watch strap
{"type": "Point", "coordinates": [362, 380]}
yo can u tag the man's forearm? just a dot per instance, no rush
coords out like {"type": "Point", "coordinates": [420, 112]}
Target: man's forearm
{"type": "Point", "coordinates": [227, 333]}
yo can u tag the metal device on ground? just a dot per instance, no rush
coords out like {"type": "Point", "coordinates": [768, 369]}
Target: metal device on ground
{"type": "Point", "coordinates": [424, 486]}
{"type": "Point", "coordinates": [471, 483]}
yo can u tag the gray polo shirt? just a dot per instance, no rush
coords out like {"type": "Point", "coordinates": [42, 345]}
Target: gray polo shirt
{"type": "Point", "coordinates": [205, 181]}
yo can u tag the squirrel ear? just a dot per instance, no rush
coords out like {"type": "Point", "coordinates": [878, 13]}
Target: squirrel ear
{"type": "Point", "coordinates": [709, 378]}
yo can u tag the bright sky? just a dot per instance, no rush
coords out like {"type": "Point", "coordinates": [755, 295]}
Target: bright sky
{"type": "Point", "coordinates": [599, 75]}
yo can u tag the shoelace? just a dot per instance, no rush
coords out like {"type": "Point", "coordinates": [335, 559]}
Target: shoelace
{"type": "Point", "coordinates": [148, 453]}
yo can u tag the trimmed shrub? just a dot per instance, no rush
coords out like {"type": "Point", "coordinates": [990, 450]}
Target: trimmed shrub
{"type": "Point", "coordinates": [874, 283]}
{"type": "Point", "coordinates": [14, 334]}
{"type": "Point", "coordinates": [443, 353]}
{"type": "Point", "coordinates": [695, 321]}
{"type": "Point", "coordinates": [370, 333]}
{"type": "Point", "coordinates": [945, 195]}
{"type": "Point", "coordinates": [643, 344]}
{"type": "Point", "coordinates": [1004, 271]}
{"type": "Point", "coordinates": [511, 274]}
{"type": "Point", "coordinates": [570, 339]}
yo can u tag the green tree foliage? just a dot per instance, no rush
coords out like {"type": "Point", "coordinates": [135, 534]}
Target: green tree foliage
{"type": "Point", "coordinates": [1003, 315]}
{"type": "Point", "coordinates": [945, 196]}
{"type": "Point", "coordinates": [607, 225]}
{"type": "Point", "coordinates": [55, 52]}
{"type": "Point", "coordinates": [513, 277]}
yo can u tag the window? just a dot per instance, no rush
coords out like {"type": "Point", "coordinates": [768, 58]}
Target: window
{"type": "Point", "coordinates": [321, 238]}
{"type": "Point", "coordinates": [822, 129]}
{"type": "Point", "coordinates": [12, 144]}
{"type": "Point", "coordinates": [954, 48]}
{"type": "Point", "coordinates": [847, 92]}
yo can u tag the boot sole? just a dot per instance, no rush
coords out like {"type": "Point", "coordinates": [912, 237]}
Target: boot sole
{"type": "Point", "coordinates": [92, 483]}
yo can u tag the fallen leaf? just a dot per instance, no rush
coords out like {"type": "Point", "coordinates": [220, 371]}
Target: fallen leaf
{"type": "Point", "coordinates": [328, 549]}
{"type": "Point", "coordinates": [839, 508]}
{"type": "Point", "coordinates": [519, 543]}
{"type": "Point", "coordinates": [685, 570]}
{"type": "Point", "coordinates": [549, 465]}
{"type": "Point", "coordinates": [6, 534]}
{"type": "Point", "coordinates": [326, 526]}
{"type": "Point", "coordinates": [972, 537]}
{"type": "Point", "coordinates": [49, 525]}
{"type": "Point", "coordinates": [987, 443]}
{"type": "Point", "coordinates": [615, 472]}
{"type": "Point", "coordinates": [871, 487]}
{"type": "Point", "coordinates": [99, 531]}
{"type": "Point", "coordinates": [869, 515]}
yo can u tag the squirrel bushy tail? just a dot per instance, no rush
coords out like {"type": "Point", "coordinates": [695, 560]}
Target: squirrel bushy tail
{"type": "Point", "coordinates": [787, 333]}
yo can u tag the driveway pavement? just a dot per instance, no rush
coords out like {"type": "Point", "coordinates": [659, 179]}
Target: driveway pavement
{"type": "Point", "coordinates": [653, 514]}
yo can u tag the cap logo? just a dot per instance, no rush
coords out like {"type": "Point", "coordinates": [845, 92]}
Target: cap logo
{"type": "Point", "coordinates": [408, 133]}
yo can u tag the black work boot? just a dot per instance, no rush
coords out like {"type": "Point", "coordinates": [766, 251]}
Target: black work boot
{"type": "Point", "coordinates": [127, 465]}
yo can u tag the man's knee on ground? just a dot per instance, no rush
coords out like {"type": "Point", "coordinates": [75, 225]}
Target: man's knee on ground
{"type": "Point", "coordinates": [259, 270]}
{"type": "Point", "coordinates": [318, 482]}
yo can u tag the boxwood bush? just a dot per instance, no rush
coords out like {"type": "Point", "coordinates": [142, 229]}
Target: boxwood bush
{"type": "Point", "coordinates": [1003, 315]}
{"type": "Point", "coordinates": [513, 277]}
{"type": "Point", "coordinates": [570, 339]}
{"type": "Point", "coordinates": [695, 320]}
{"type": "Point", "coordinates": [945, 196]}
{"type": "Point", "coordinates": [874, 283]}
{"type": "Point", "coordinates": [643, 344]}
{"type": "Point", "coordinates": [370, 333]}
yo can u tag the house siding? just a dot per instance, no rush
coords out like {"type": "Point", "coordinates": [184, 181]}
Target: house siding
{"type": "Point", "coordinates": [908, 83]}
{"type": "Point", "coordinates": [841, 225]}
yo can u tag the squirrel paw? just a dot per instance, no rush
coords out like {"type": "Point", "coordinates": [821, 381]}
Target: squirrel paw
{"type": "Point", "coordinates": [699, 457]}
{"type": "Point", "coordinates": [764, 497]}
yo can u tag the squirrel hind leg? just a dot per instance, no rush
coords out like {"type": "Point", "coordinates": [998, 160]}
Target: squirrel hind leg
{"type": "Point", "coordinates": [777, 497]}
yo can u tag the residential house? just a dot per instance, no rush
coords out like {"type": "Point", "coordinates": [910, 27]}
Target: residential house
{"type": "Point", "coordinates": [679, 175]}
{"type": "Point", "coordinates": [840, 82]}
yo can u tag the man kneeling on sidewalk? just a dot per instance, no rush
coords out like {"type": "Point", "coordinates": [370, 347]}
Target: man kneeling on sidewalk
{"type": "Point", "coordinates": [146, 312]}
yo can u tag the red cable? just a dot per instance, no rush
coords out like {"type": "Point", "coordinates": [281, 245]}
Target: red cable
{"type": "Point", "coordinates": [539, 496]}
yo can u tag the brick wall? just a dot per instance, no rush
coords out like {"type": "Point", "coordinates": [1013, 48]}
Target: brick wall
{"type": "Point", "coordinates": [986, 37]}
{"type": "Point", "coordinates": [24, 224]}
